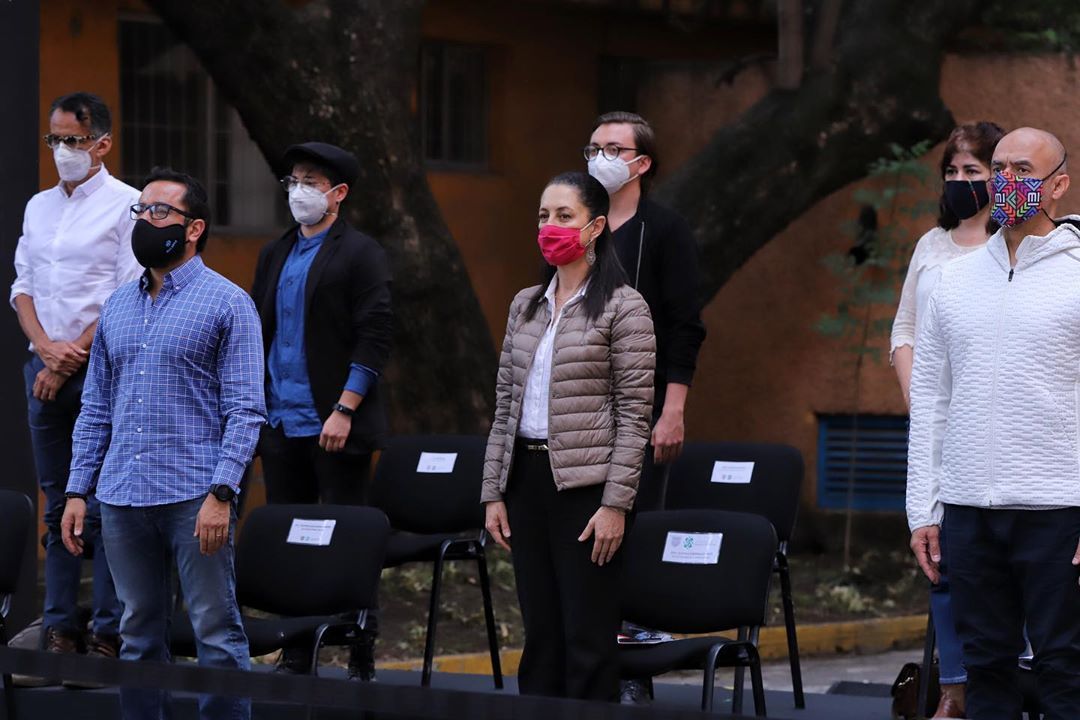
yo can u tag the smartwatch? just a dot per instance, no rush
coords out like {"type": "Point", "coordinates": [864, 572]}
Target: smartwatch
{"type": "Point", "coordinates": [224, 493]}
{"type": "Point", "coordinates": [344, 409]}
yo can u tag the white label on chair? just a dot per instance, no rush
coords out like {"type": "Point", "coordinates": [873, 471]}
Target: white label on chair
{"type": "Point", "coordinates": [693, 548]}
{"type": "Point", "coordinates": [733, 473]}
{"type": "Point", "coordinates": [436, 462]}
{"type": "Point", "coordinates": [311, 532]}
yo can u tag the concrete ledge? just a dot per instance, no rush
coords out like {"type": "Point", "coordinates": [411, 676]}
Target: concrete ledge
{"type": "Point", "coordinates": [864, 636]}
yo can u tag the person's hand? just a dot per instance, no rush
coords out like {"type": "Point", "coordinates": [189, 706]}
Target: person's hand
{"type": "Point", "coordinates": [1076, 555]}
{"type": "Point", "coordinates": [608, 525]}
{"type": "Point", "coordinates": [496, 523]}
{"type": "Point", "coordinates": [61, 357]}
{"type": "Point", "coordinates": [926, 544]}
{"type": "Point", "coordinates": [667, 436]}
{"type": "Point", "coordinates": [71, 526]}
{"type": "Point", "coordinates": [335, 431]}
{"type": "Point", "coordinates": [47, 384]}
{"type": "Point", "coordinates": [212, 524]}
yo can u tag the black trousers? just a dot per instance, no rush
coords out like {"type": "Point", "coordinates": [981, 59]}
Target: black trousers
{"type": "Point", "coordinates": [1006, 566]}
{"type": "Point", "coordinates": [569, 605]}
{"type": "Point", "coordinates": [298, 471]}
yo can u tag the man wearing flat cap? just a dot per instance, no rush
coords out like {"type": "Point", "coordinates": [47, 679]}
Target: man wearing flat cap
{"type": "Point", "coordinates": [323, 292]}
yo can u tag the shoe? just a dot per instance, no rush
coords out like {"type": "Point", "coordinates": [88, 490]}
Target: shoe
{"type": "Point", "coordinates": [951, 704]}
{"type": "Point", "coordinates": [99, 646]}
{"type": "Point", "coordinates": [64, 642]}
{"type": "Point", "coordinates": [293, 661]}
{"type": "Point", "coordinates": [634, 692]}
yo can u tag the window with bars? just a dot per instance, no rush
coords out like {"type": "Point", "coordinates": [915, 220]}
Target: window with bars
{"type": "Point", "coordinates": [171, 114]}
{"type": "Point", "coordinates": [867, 453]}
{"type": "Point", "coordinates": [454, 105]}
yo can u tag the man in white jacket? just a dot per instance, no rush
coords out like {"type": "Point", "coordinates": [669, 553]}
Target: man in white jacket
{"type": "Point", "coordinates": [993, 457]}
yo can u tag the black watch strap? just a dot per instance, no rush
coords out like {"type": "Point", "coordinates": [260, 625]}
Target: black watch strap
{"type": "Point", "coordinates": [344, 409]}
{"type": "Point", "coordinates": [75, 496]}
{"type": "Point", "coordinates": [224, 493]}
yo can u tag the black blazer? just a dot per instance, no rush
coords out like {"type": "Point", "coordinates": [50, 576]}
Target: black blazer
{"type": "Point", "coordinates": [347, 319]}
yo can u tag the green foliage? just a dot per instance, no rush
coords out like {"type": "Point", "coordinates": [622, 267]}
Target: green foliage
{"type": "Point", "coordinates": [1033, 25]}
{"type": "Point", "coordinates": [869, 288]}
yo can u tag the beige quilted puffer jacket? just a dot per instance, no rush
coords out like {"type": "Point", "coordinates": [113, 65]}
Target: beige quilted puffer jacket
{"type": "Point", "coordinates": [601, 395]}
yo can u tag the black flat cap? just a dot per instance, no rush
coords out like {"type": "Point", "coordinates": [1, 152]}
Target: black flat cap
{"type": "Point", "coordinates": [342, 162]}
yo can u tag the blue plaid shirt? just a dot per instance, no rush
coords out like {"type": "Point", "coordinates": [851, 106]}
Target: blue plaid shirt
{"type": "Point", "coordinates": [173, 399]}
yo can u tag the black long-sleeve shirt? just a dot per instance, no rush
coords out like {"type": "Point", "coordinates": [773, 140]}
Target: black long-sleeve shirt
{"type": "Point", "coordinates": [658, 253]}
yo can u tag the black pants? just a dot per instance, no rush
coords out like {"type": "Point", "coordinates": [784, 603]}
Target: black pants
{"type": "Point", "coordinates": [1007, 566]}
{"type": "Point", "coordinates": [298, 471]}
{"type": "Point", "coordinates": [652, 487]}
{"type": "Point", "coordinates": [569, 605]}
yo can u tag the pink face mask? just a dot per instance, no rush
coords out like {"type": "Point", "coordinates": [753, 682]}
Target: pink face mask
{"type": "Point", "coordinates": [561, 245]}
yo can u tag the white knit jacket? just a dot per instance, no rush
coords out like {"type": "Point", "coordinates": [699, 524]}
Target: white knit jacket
{"type": "Point", "coordinates": [996, 382]}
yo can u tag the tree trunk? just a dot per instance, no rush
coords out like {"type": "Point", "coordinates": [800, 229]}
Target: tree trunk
{"type": "Point", "coordinates": [344, 72]}
{"type": "Point", "coordinates": [793, 148]}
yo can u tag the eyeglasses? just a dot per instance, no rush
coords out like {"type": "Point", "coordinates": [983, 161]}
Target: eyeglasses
{"type": "Point", "coordinates": [72, 141]}
{"type": "Point", "coordinates": [611, 151]}
{"type": "Point", "coordinates": [158, 211]}
{"type": "Point", "coordinates": [289, 182]}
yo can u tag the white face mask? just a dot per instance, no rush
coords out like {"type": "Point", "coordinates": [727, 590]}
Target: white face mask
{"type": "Point", "coordinates": [612, 174]}
{"type": "Point", "coordinates": [71, 164]}
{"type": "Point", "coordinates": [307, 204]}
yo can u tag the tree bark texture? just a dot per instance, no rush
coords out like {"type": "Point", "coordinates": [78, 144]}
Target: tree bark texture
{"type": "Point", "coordinates": [344, 72]}
{"type": "Point", "coordinates": [794, 147]}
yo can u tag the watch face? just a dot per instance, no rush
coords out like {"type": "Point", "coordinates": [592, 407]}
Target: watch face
{"type": "Point", "coordinates": [224, 493]}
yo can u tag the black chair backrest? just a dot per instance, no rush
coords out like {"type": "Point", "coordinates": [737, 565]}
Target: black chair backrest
{"type": "Point", "coordinates": [697, 598]}
{"type": "Point", "coordinates": [16, 516]}
{"type": "Point", "coordinates": [773, 491]}
{"type": "Point", "coordinates": [286, 577]}
{"type": "Point", "coordinates": [418, 500]}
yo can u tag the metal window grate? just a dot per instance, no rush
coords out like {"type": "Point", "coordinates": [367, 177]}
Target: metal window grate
{"type": "Point", "coordinates": [879, 451]}
{"type": "Point", "coordinates": [454, 105]}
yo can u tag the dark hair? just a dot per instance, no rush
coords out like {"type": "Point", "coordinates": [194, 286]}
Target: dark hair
{"type": "Point", "coordinates": [194, 197]}
{"type": "Point", "coordinates": [90, 110]}
{"type": "Point", "coordinates": [644, 139]}
{"type": "Point", "coordinates": [606, 274]}
{"type": "Point", "coordinates": [979, 139]}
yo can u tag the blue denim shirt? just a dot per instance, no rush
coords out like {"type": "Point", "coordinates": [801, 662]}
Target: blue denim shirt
{"type": "Point", "coordinates": [173, 398]}
{"type": "Point", "coordinates": [289, 399]}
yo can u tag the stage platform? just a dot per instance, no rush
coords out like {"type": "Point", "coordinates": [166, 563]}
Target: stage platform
{"type": "Point", "coordinates": [845, 701]}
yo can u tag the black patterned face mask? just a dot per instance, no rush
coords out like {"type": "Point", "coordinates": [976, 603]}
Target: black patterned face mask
{"type": "Point", "coordinates": [157, 247]}
{"type": "Point", "coordinates": [965, 198]}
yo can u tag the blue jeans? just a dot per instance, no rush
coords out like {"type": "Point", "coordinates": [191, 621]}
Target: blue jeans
{"type": "Point", "coordinates": [143, 544]}
{"type": "Point", "coordinates": [51, 426]}
{"type": "Point", "coordinates": [950, 651]}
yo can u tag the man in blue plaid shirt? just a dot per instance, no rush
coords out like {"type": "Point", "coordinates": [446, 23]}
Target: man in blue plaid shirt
{"type": "Point", "coordinates": [172, 407]}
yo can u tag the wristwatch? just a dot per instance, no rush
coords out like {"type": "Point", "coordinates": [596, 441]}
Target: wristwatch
{"type": "Point", "coordinates": [344, 409]}
{"type": "Point", "coordinates": [224, 493]}
{"type": "Point", "coordinates": [75, 496]}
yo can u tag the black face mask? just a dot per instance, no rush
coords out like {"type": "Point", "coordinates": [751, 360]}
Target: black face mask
{"type": "Point", "coordinates": [966, 198]}
{"type": "Point", "coordinates": [157, 247]}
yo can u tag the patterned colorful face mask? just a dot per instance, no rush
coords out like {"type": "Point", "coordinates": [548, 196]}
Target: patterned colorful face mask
{"type": "Point", "coordinates": [1017, 199]}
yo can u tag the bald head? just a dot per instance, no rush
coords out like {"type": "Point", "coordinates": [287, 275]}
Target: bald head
{"type": "Point", "coordinates": [1029, 152]}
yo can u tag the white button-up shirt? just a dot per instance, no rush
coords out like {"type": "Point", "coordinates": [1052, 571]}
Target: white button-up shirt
{"type": "Point", "coordinates": [74, 252]}
{"type": "Point", "coordinates": [535, 400]}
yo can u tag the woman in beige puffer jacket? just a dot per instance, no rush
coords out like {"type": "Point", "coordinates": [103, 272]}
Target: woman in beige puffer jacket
{"type": "Point", "coordinates": [573, 401]}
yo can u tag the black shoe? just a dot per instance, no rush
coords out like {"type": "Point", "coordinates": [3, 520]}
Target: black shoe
{"type": "Point", "coordinates": [634, 692]}
{"type": "Point", "coordinates": [293, 661]}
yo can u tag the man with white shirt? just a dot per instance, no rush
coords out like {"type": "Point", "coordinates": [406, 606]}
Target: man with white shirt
{"type": "Point", "coordinates": [75, 250]}
{"type": "Point", "coordinates": [995, 425]}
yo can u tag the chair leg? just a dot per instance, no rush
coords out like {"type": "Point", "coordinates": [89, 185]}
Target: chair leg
{"type": "Point", "coordinates": [789, 622]}
{"type": "Point", "coordinates": [928, 659]}
{"type": "Point", "coordinates": [708, 681]}
{"type": "Point", "coordinates": [489, 619]}
{"type": "Point", "coordinates": [756, 683]}
{"type": "Point", "coordinates": [740, 678]}
{"type": "Point", "coordinates": [9, 698]}
{"type": "Point", "coordinates": [433, 619]}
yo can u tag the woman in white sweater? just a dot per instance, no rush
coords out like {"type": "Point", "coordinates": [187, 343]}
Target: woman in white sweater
{"type": "Point", "coordinates": [963, 225]}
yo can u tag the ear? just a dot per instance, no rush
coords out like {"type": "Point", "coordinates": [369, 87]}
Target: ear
{"type": "Point", "coordinates": [195, 229]}
{"type": "Point", "coordinates": [643, 165]}
{"type": "Point", "coordinates": [1061, 187]}
{"type": "Point", "coordinates": [597, 228]}
{"type": "Point", "coordinates": [103, 147]}
{"type": "Point", "coordinates": [339, 193]}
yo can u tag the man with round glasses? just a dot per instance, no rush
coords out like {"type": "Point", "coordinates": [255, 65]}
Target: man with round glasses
{"type": "Point", "coordinates": [75, 249]}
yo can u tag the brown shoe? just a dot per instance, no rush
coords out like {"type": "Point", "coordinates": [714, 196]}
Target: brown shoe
{"type": "Point", "coordinates": [56, 641]}
{"type": "Point", "coordinates": [952, 702]}
{"type": "Point", "coordinates": [99, 646]}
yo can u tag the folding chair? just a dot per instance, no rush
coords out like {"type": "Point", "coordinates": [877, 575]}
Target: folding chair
{"type": "Point", "coordinates": [16, 516]}
{"type": "Point", "coordinates": [429, 487]}
{"type": "Point", "coordinates": [315, 566]}
{"type": "Point", "coordinates": [671, 584]}
{"type": "Point", "coordinates": [759, 478]}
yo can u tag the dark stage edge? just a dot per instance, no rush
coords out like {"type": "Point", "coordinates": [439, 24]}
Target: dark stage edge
{"type": "Point", "coordinates": [65, 704]}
